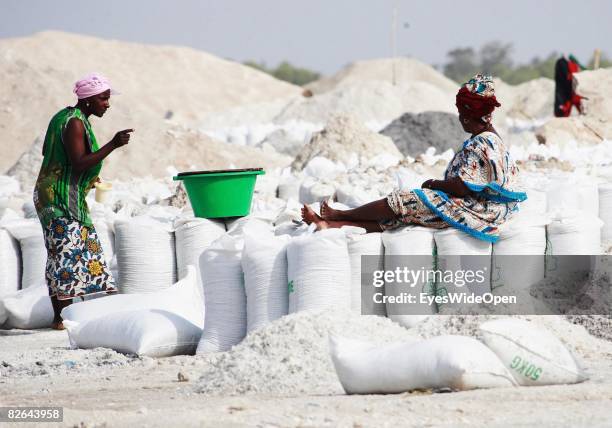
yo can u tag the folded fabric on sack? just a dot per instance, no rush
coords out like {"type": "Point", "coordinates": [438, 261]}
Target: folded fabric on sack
{"type": "Point", "coordinates": [148, 332]}
{"type": "Point", "coordinates": [184, 299]}
{"type": "Point", "coordinates": [29, 308]}
{"type": "Point", "coordinates": [531, 353]}
{"type": "Point", "coordinates": [456, 362]}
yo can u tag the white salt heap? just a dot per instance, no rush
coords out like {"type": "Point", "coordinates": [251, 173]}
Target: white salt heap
{"type": "Point", "coordinates": [596, 125]}
{"type": "Point", "coordinates": [407, 70]}
{"type": "Point", "coordinates": [183, 149]}
{"type": "Point", "coordinates": [369, 102]}
{"type": "Point", "coordinates": [291, 355]}
{"type": "Point", "coordinates": [531, 100]}
{"type": "Point", "coordinates": [346, 140]}
{"type": "Point", "coordinates": [46, 352]}
{"type": "Point", "coordinates": [159, 85]}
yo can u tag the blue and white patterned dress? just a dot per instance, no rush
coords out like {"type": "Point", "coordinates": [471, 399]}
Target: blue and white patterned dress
{"type": "Point", "coordinates": [487, 169]}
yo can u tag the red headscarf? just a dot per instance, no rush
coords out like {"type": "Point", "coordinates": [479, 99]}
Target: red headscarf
{"type": "Point", "coordinates": [476, 98]}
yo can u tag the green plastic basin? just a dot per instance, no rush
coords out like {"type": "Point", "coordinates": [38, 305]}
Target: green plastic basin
{"type": "Point", "coordinates": [220, 193]}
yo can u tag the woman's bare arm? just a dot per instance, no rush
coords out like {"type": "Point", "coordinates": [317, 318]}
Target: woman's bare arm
{"type": "Point", "coordinates": [453, 186]}
{"type": "Point", "coordinates": [80, 159]}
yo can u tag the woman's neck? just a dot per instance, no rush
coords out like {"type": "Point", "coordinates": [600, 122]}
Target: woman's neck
{"type": "Point", "coordinates": [83, 109]}
{"type": "Point", "coordinates": [485, 129]}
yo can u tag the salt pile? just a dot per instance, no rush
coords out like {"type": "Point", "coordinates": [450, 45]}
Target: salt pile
{"type": "Point", "coordinates": [180, 148]}
{"type": "Point", "coordinates": [158, 85]}
{"type": "Point", "coordinates": [27, 167]}
{"type": "Point", "coordinates": [40, 355]}
{"type": "Point", "coordinates": [598, 325]}
{"type": "Point", "coordinates": [596, 125]}
{"type": "Point", "coordinates": [413, 134]}
{"type": "Point", "coordinates": [565, 130]}
{"type": "Point", "coordinates": [291, 355]}
{"type": "Point", "coordinates": [531, 100]}
{"type": "Point", "coordinates": [574, 336]}
{"type": "Point", "coordinates": [346, 140]}
{"type": "Point", "coordinates": [370, 101]}
{"type": "Point", "coordinates": [407, 70]}
{"type": "Point", "coordinates": [596, 86]}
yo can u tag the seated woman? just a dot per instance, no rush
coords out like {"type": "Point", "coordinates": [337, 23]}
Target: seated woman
{"type": "Point", "coordinates": [476, 196]}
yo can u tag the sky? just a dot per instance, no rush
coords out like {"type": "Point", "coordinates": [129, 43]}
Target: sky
{"type": "Point", "coordinates": [325, 35]}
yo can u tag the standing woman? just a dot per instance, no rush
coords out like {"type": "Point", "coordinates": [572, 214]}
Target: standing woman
{"type": "Point", "coordinates": [71, 163]}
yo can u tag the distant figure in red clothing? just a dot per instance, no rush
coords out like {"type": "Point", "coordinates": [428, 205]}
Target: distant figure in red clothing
{"type": "Point", "coordinates": [565, 86]}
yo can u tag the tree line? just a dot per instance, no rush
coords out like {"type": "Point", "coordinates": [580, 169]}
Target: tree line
{"type": "Point", "coordinates": [494, 58]}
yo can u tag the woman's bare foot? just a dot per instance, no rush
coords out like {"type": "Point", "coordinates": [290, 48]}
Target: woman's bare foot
{"type": "Point", "coordinates": [58, 325]}
{"type": "Point", "coordinates": [309, 216]}
{"type": "Point", "coordinates": [329, 213]}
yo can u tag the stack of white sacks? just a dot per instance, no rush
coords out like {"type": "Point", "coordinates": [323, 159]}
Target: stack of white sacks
{"type": "Point", "coordinates": [518, 256]}
{"type": "Point", "coordinates": [251, 276]}
{"type": "Point", "coordinates": [574, 231]}
{"type": "Point", "coordinates": [260, 270]}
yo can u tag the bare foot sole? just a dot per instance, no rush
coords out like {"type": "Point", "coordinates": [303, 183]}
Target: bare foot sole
{"type": "Point", "coordinates": [58, 325]}
{"type": "Point", "coordinates": [309, 216]}
{"type": "Point", "coordinates": [328, 213]}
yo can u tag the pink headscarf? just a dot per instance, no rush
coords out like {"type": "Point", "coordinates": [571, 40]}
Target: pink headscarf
{"type": "Point", "coordinates": [91, 85]}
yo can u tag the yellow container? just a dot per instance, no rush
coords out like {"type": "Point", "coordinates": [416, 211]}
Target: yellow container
{"type": "Point", "coordinates": [103, 191]}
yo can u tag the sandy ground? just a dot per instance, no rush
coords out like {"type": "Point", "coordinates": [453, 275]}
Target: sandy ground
{"type": "Point", "coordinates": [100, 388]}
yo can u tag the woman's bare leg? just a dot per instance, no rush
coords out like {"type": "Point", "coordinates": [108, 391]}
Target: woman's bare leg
{"type": "Point", "coordinates": [373, 211]}
{"type": "Point", "coordinates": [58, 305]}
{"type": "Point", "coordinates": [309, 216]}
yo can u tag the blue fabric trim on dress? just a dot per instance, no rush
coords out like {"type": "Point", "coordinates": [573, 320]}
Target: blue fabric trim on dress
{"type": "Point", "coordinates": [500, 194]}
{"type": "Point", "coordinates": [475, 233]}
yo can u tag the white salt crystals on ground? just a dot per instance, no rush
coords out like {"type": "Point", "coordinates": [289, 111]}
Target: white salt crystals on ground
{"type": "Point", "coordinates": [291, 355]}
{"type": "Point", "coordinates": [574, 336]}
{"type": "Point", "coordinates": [47, 353]}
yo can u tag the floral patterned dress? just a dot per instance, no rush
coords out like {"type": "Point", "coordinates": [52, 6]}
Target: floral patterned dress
{"type": "Point", "coordinates": [75, 262]}
{"type": "Point", "coordinates": [486, 168]}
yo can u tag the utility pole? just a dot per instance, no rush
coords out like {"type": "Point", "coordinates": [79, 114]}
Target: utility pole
{"type": "Point", "coordinates": [596, 58]}
{"type": "Point", "coordinates": [394, 43]}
